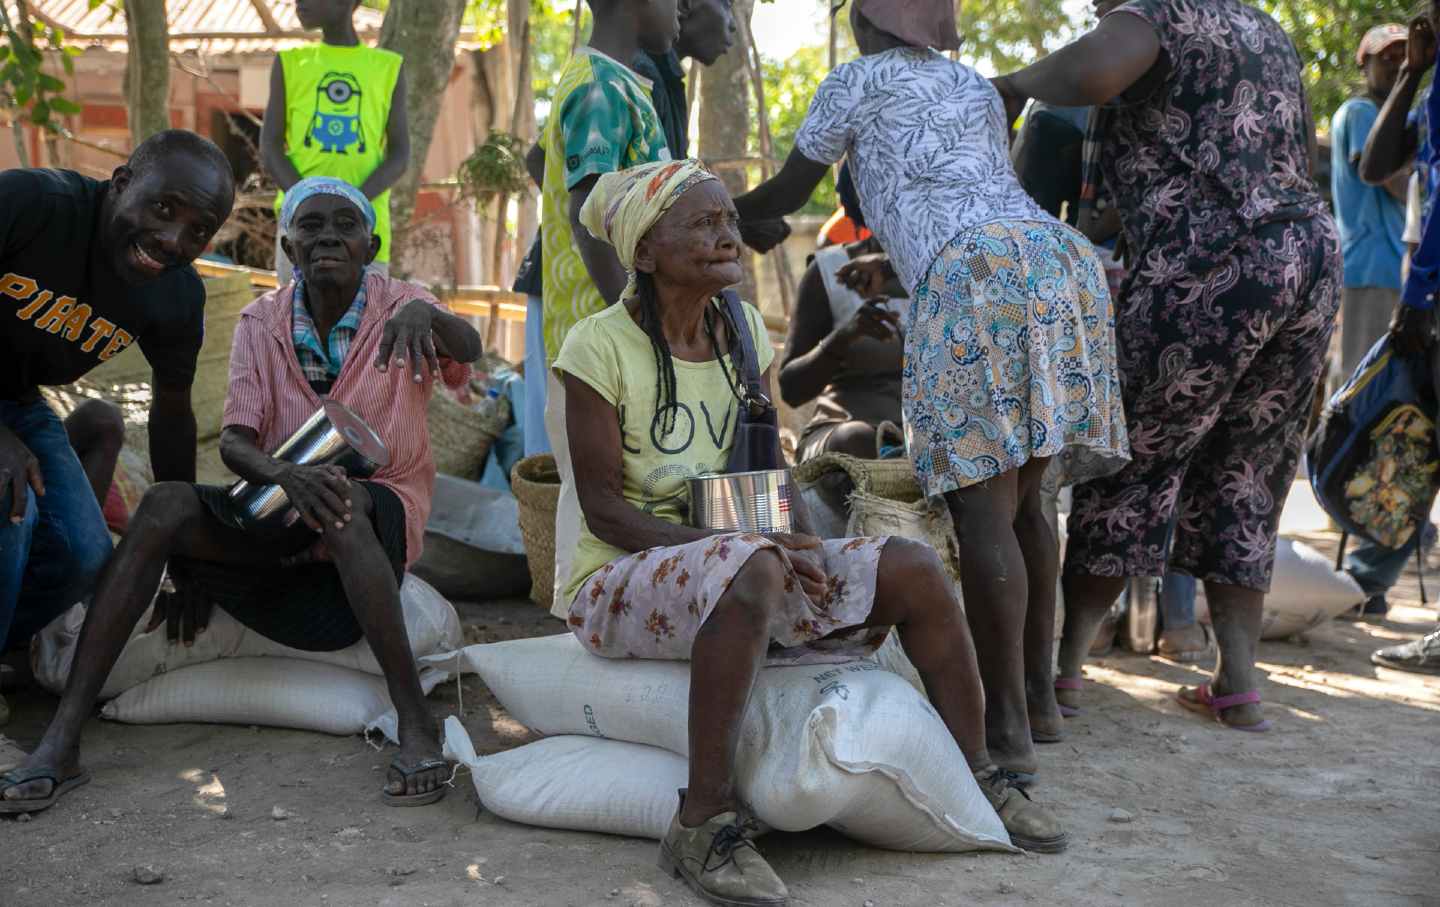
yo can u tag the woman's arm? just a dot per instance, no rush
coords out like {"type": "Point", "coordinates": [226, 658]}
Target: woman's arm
{"type": "Point", "coordinates": [321, 494]}
{"type": "Point", "coordinates": [592, 427]}
{"type": "Point", "coordinates": [1095, 68]}
{"type": "Point", "coordinates": [810, 364]}
{"type": "Point", "coordinates": [784, 193]}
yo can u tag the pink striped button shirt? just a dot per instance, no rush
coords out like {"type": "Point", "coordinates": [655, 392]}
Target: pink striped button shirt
{"type": "Point", "coordinates": [268, 391]}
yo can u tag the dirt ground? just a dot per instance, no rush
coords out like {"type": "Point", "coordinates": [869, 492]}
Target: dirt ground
{"type": "Point", "coordinates": [1337, 806]}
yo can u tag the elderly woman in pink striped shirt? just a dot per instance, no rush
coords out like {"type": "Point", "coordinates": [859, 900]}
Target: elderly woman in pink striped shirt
{"type": "Point", "coordinates": [373, 343]}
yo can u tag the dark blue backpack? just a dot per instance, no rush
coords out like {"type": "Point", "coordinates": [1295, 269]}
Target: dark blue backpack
{"type": "Point", "coordinates": [1373, 460]}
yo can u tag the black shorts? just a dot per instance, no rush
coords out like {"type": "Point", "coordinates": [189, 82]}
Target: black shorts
{"type": "Point", "coordinates": [302, 607]}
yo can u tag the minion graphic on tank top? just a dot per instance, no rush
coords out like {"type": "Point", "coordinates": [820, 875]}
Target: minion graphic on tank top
{"type": "Point", "coordinates": [336, 122]}
{"type": "Point", "coordinates": [337, 105]}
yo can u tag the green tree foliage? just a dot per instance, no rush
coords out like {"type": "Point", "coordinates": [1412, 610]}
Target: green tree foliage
{"type": "Point", "coordinates": [484, 18]}
{"type": "Point", "coordinates": [1001, 35]}
{"type": "Point", "coordinates": [552, 30]}
{"type": "Point", "coordinates": [24, 85]}
{"type": "Point", "coordinates": [1326, 33]}
{"type": "Point", "coordinates": [789, 86]}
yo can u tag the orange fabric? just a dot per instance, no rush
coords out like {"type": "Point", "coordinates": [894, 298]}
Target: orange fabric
{"type": "Point", "coordinates": [840, 229]}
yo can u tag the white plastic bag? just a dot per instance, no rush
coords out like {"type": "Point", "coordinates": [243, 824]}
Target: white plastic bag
{"type": "Point", "coordinates": [278, 692]}
{"type": "Point", "coordinates": [577, 783]}
{"type": "Point", "coordinates": [1305, 591]}
{"type": "Point", "coordinates": [430, 623]}
{"type": "Point", "coordinates": [849, 745]}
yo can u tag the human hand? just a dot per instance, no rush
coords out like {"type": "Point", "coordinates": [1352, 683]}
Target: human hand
{"type": "Point", "coordinates": [1410, 330]}
{"type": "Point", "coordinates": [807, 560]}
{"type": "Point", "coordinates": [867, 274]}
{"type": "Point", "coordinates": [182, 606]}
{"type": "Point", "coordinates": [320, 494]}
{"type": "Point", "coordinates": [764, 235]}
{"type": "Point", "coordinates": [874, 319]}
{"type": "Point", "coordinates": [19, 470]}
{"type": "Point", "coordinates": [1420, 46]}
{"type": "Point", "coordinates": [408, 337]}
{"type": "Point", "coordinates": [1013, 98]}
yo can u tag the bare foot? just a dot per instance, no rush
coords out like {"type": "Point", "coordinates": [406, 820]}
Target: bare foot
{"type": "Point", "coordinates": [1013, 750]}
{"type": "Point", "coordinates": [1046, 723]}
{"type": "Point", "coordinates": [1186, 644]}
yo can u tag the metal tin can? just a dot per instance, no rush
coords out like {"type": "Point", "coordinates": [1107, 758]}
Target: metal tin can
{"type": "Point", "coordinates": [742, 501]}
{"type": "Point", "coordinates": [333, 436]}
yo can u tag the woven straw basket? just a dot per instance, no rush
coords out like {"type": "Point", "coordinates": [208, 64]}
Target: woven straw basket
{"type": "Point", "coordinates": [461, 437]}
{"type": "Point", "coordinates": [887, 501]}
{"type": "Point", "coordinates": [536, 483]}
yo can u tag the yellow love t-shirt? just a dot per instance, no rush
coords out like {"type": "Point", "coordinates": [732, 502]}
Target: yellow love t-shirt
{"type": "Point", "coordinates": [613, 355]}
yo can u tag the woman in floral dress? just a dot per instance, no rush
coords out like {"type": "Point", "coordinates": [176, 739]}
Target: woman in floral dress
{"type": "Point", "coordinates": [1224, 321]}
{"type": "Point", "coordinates": [651, 401]}
{"type": "Point", "coordinates": [1010, 357]}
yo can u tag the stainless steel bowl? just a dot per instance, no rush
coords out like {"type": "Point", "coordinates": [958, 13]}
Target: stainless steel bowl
{"type": "Point", "coordinates": [333, 436]}
{"type": "Point", "coordinates": [742, 501]}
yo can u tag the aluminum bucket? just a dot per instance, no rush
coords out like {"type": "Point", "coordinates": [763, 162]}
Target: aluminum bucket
{"type": "Point", "coordinates": [742, 501]}
{"type": "Point", "coordinates": [333, 436]}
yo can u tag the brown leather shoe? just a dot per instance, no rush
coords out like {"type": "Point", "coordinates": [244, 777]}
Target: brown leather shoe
{"type": "Point", "coordinates": [719, 862]}
{"type": "Point", "coordinates": [1029, 825]}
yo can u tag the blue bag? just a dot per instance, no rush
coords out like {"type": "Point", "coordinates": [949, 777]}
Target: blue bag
{"type": "Point", "coordinates": [1373, 460]}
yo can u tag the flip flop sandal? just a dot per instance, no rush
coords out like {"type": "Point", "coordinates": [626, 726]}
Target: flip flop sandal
{"type": "Point", "coordinates": [1069, 683]}
{"type": "Point", "coordinates": [1208, 703]}
{"type": "Point", "coordinates": [17, 776]}
{"type": "Point", "coordinates": [423, 799]}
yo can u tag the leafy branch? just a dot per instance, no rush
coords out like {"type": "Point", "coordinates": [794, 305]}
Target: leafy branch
{"type": "Point", "coordinates": [25, 86]}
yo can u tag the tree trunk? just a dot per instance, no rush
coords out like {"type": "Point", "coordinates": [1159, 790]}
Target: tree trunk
{"type": "Point", "coordinates": [424, 33]}
{"type": "Point", "coordinates": [17, 114]}
{"type": "Point", "coordinates": [522, 121]}
{"type": "Point", "coordinates": [725, 123]}
{"type": "Point", "coordinates": [147, 68]}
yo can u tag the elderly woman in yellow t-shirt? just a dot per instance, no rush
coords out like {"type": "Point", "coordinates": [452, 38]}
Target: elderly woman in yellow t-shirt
{"type": "Point", "coordinates": [651, 401]}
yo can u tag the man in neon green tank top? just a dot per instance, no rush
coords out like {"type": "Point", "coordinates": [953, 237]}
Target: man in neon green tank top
{"type": "Point", "coordinates": [336, 108]}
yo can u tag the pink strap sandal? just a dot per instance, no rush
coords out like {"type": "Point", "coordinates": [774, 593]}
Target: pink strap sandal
{"type": "Point", "coordinates": [1206, 702]}
{"type": "Point", "coordinates": [1069, 683]}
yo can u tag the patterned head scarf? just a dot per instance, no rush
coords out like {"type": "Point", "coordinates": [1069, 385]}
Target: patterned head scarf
{"type": "Point", "coordinates": [922, 23]}
{"type": "Point", "coordinates": [312, 186]}
{"type": "Point", "coordinates": [625, 204]}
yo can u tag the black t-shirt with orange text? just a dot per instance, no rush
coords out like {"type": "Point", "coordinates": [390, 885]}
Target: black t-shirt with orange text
{"type": "Point", "coordinates": [63, 309]}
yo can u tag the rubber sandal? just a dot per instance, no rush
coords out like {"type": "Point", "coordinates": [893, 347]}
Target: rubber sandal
{"type": "Point", "coordinates": [17, 776]}
{"type": "Point", "coordinates": [1069, 683]}
{"type": "Point", "coordinates": [1207, 703]}
{"type": "Point", "coordinates": [423, 799]}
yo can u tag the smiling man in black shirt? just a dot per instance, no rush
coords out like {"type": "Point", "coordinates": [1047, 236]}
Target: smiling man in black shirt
{"type": "Point", "coordinates": [86, 269]}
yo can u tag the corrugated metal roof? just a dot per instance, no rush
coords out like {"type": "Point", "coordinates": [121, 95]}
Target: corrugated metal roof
{"type": "Point", "coordinates": [210, 26]}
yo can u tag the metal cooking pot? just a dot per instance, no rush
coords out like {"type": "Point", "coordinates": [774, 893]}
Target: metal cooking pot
{"type": "Point", "coordinates": [742, 501]}
{"type": "Point", "coordinates": [333, 436]}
